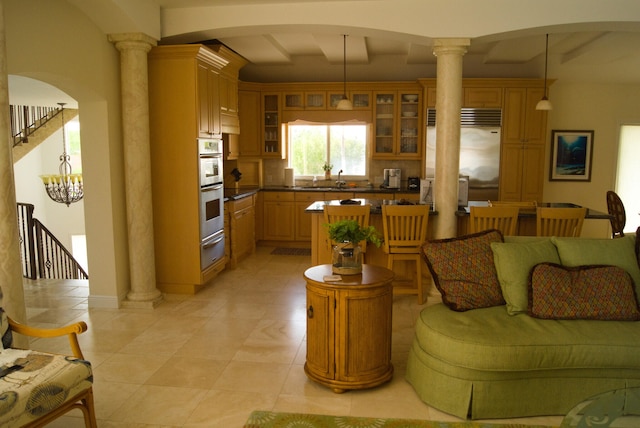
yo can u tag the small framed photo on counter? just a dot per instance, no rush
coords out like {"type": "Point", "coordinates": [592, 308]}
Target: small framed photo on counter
{"type": "Point", "coordinates": [571, 155]}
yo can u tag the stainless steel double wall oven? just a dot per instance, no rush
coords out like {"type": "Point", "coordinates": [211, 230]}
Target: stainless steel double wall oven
{"type": "Point", "coordinates": [211, 201]}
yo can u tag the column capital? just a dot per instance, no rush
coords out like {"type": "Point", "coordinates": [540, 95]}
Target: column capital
{"type": "Point", "coordinates": [124, 41]}
{"type": "Point", "coordinates": [450, 46]}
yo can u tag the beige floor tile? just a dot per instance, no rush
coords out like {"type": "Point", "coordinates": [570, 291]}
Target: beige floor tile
{"type": "Point", "coordinates": [228, 408]}
{"type": "Point", "coordinates": [188, 372]}
{"type": "Point", "coordinates": [128, 368]}
{"type": "Point", "coordinates": [252, 377]}
{"type": "Point", "coordinates": [166, 406]}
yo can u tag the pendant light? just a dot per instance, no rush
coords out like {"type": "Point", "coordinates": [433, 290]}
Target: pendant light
{"type": "Point", "coordinates": [65, 187]}
{"type": "Point", "coordinates": [544, 103]}
{"type": "Point", "coordinates": [344, 103]}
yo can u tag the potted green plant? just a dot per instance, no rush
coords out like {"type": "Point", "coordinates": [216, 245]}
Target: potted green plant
{"type": "Point", "coordinates": [327, 167]}
{"type": "Point", "coordinates": [347, 236]}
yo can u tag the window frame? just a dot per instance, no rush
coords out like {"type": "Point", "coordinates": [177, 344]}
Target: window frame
{"type": "Point", "coordinates": [334, 172]}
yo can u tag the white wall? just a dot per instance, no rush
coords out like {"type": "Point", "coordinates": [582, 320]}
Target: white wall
{"type": "Point", "coordinates": [601, 108]}
{"type": "Point", "coordinates": [61, 46]}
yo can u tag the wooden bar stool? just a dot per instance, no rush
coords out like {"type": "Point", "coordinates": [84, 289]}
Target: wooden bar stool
{"type": "Point", "coordinates": [359, 213]}
{"type": "Point", "coordinates": [618, 219]}
{"type": "Point", "coordinates": [559, 221]}
{"type": "Point", "coordinates": [503, 218]}
{"type": "Point", "coordinates": [405, 230]}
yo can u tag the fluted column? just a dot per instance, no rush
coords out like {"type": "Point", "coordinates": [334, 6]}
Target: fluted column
{"type": "Point", "coordinates": [449, 53]}
{"type": "Point", "coordinates": [134, 83]}
{"type": "Point", "coordinates": [10, 263]}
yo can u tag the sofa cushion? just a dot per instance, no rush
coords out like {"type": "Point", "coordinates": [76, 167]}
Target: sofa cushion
{"type": "Point", "coordinates": [463, 270]}
{"type": "Point", "coordinates": [584, 292]}
{"type": "Point", "coordinates": [490, 339]}
{"type": "Point", "coordinates": [615, 252]}
{"type": "Point", "coordinates": [514, 262]}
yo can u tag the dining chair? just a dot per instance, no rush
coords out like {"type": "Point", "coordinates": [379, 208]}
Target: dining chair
{"type": "Point", "coordinates": [559, 221]}
{"type": "Point", "coordinates": [618, 218]}
{"type": "Point", "coordinates": [404, 232]}
{"type": "Point", "coordinates": [503, 218]}
{"type": "Point", "coordinates": [359, 213]}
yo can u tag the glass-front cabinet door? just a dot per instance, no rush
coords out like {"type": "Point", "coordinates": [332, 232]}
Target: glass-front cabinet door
{"type": "Point", "coordinates": [397, 125]}
{"type": "Point", "coordinates": [271, 125]}
{"type": "Point", "coordinates": [384, 117]}
{"type": "Point", "coordinates": [361, 100]}
{"type": "Point", "coordinates": [409, 124]}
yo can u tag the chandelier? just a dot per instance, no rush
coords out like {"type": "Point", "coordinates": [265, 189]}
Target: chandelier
{"type": "Point", "coordinates": [64, 188]}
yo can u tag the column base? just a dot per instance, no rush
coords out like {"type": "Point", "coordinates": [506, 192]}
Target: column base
{"type": "Point", "coordinates": [142, 304]}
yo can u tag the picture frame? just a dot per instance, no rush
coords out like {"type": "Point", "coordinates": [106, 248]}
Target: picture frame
{"type": "Point", "coordinates": [571, 155]}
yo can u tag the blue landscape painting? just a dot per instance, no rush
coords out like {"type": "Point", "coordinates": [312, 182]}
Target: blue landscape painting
{"type": "Point", "coordinates": [571, 158]}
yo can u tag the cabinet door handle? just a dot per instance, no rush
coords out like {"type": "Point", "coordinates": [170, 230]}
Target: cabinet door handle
{"type": "Point", "coordinates": [310, 311]}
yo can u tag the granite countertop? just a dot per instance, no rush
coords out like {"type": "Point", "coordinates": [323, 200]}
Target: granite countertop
{"type": "Point", "coordinates": [591, 213]}
{"type": "Point", "coordinates": [335, 189]}
{"type": "Point", "coordinates": [376, 205]}
{"type": "Point", "coordinates": [233, 193]}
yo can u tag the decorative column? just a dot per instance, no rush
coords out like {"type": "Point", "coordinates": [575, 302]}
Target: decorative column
{"type": "Point", "coordinates": [134, 83]}
{"type": "Point", "coordinates": [12, 299]}
{"type": "Point", "coordinates": [449, 53]}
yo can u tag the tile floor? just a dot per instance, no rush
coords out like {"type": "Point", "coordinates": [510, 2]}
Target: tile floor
{"type": "Point", "coordinates": [208, 360]}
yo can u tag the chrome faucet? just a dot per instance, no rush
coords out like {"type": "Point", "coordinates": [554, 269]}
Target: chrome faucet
{"type": "Point", "coordinates": [340, 183]}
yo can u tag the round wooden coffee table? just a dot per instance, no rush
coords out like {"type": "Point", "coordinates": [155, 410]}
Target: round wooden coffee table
{"type": "Point", "coordinates": [349, 328]}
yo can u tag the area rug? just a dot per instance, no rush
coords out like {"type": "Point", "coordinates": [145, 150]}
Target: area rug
{"type": "Point", "coordinates": [264, 419]}
{"type": "Point", "coordinates": [282, 251]}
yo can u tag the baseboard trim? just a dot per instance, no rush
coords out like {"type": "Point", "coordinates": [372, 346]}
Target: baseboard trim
{"type": "Point", "coordinates": [104, 302]}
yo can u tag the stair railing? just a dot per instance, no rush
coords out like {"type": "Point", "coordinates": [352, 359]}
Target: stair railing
{"type": "Point", "coordinates": [25, 120]}
{"type": "Point", "coordinates": [43, 254]}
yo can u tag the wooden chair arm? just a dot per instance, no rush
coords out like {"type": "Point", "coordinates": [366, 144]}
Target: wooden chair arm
{"type": "Point", "coordinates": [72, 331]}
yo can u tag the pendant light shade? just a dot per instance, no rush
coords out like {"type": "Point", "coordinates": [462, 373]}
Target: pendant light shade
{"type": "Point", "coordinates": [344, 103]}
{"type": "Point", "coordinates": [544, 103]}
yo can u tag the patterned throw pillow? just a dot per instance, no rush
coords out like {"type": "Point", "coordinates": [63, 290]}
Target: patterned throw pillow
{"type": "Point", "coordinates": [584, 292]}
{"type": "Point", "coordinates": [463, 270]}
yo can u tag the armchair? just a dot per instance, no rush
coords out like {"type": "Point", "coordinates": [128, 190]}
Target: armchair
{"type": "Point", "coordinates": [38, 387]}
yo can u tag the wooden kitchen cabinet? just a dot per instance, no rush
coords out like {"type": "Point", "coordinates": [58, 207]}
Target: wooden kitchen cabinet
{"type": "Point", "coordinates": [242, 226]}
{"type": "Point", "coordinates": [182, 85]}
{"type": "Point", "coordinates": [228, 89]}
{"type": "Point", "coordinates": [397, 125]}
{"type": "Point", "coordinates": [249, 140]}
{"type": "Point", "coordinates": [349, 328]}
{"type": "Point", "coordinates": [303, 219]}
{"type": "Point", "coordinates": [523, 146]}
{"type": "Point", "coordinates": [208, 100]}
{"type": "Point", "coordinates": [278, 216]}
{"type": "Point", "coordinates": [482, 97]}
{"type": "Point", "coordinates": [361, 100]}
{"type": "Point", "coordinates": [309, 100]}
{"type": "Point", "coordinates": [272, 146]}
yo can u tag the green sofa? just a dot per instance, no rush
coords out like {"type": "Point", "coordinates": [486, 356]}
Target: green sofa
{"type": "Point", "coordinates": [500, 362]}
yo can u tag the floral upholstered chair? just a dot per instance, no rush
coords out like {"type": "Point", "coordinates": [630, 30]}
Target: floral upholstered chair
{"type": "Point", "coordinates": [38, 387]}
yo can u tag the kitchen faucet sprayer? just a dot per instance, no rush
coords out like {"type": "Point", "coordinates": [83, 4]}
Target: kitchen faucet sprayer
{"type": "Point", "coordinates": [340, 183]}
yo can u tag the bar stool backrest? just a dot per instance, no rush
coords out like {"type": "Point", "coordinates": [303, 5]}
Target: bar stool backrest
{"type": "Point", "coordinates": [404, 227]}
{"type": "Point", "coordinates": [359, 213]}
{"type": "Point", "coordinates": [504, 218]}
{"type": "Point", "coordinates": [618, 218]}
{"type": "Point", "coordinates": [559, 221]}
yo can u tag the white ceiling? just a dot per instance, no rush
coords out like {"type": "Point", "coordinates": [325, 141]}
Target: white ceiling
{"type": "Point", "coordinates": [595, 52]}
{"type": "Point", "coordinates": [605, 52]}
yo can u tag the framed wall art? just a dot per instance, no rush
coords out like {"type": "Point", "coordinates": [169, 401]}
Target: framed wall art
{"type": "Point", "coordinates": [571, 155]}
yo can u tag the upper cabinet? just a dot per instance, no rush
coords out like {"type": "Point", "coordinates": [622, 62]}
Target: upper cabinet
{"type": "Point", "coordinates": [271, 126]}
{"type": "Point", "coordinates": [397, 125]}
{"type": "Point", "coordinates": [523, 145]}
{"type": "Point", "coordinates": [208, 101]}
{"type": "Point", "coordinates": [250, 137]}
{"type": "Point", "coordinates": [482, 97]}
{"type": "Point", "coordinates": [228, 104]}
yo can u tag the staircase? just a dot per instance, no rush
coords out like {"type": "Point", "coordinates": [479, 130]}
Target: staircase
{"type": "Point", "coordinates": [31, 125]}
{"type": "Point", "coordinates": [42, 254]}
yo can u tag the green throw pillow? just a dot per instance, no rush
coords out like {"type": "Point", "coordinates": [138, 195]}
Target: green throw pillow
{"type": "Point", "coordinates": [514, 262]}
{"type": "Point", "coordinates": [614, 252]}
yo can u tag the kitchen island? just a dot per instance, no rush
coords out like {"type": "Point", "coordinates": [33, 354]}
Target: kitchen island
{"type": "Point", "coordinates": [320, 252]}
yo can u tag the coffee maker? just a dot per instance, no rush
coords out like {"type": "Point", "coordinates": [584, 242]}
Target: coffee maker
{"type": "Point", "coordinates": [392, 178]}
